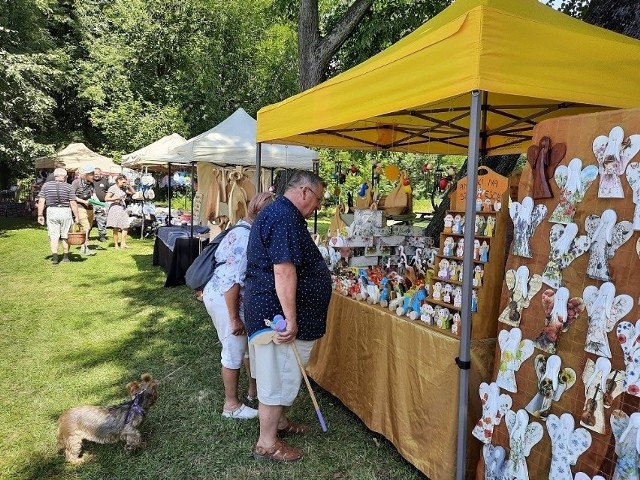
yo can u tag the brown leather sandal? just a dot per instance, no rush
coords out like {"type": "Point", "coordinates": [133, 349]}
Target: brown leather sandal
{"type": "Point", "coordinates": [280, 452]}
{"type": "Point", "coordinates": [293, 428]}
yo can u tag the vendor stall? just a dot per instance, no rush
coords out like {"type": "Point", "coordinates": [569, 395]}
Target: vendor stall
{"type": "Point", "coordinates": [74, 156]}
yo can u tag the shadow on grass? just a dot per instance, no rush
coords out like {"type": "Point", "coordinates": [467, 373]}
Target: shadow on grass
{"type": "Point", "coordinates": [8, 224]}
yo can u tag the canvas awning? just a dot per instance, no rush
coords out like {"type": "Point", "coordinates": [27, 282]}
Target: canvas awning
{"type": "Point", "coordinates": [156, 154]}
{"type": "Point", "coordinates": [76, 155]}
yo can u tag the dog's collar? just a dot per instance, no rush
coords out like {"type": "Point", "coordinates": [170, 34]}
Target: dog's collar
{"type": "Point", "coordinates": [135, 408]}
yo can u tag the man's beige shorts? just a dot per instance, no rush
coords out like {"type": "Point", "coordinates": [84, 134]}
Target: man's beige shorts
{"type": "Point", "coordinates": [85, 218]}
{"type": "Point", "coordinates": [276, 370]}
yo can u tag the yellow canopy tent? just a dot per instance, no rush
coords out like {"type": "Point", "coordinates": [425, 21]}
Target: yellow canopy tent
{"type": "Point", "coordinates": [473, 80]}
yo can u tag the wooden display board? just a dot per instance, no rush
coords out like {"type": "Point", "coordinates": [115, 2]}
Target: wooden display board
{"type": "Point", "coordinates": [578, 134]}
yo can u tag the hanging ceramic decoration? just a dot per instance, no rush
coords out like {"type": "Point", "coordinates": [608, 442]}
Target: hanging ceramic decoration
{"type": "Point", "coordinates": [626, 431]}
{"type": "Point", "coordinates": [543, 159]}
{"type": "Point", "coordinates": [526, 217]}
{"type": "Point", "coordinates": [560, 312]}
{"type": "Point", "coordinates": [613, 154]}
{"type": "Point", "coordinates": [633, 177]}
{"type": "Point", "coordinates": [522, 437]}
{"type": "Point", "coordinates": [605, 236]}
{"type": "Point", "coordinates": [565, 248]}
{"type": "Point", "coordinates": [552, 383]}
{"type": "Point", "coordinates": [514, 351]}
{"type": "Point", "coordinates": [573, 181]}
{"type": "Point", "coordinates": [567, 444]}
{"type": "Point", "coordinates": [584, 476]}
{"type": "Point", "coordinates": [604, 310]}
{"type": "Point", "coordinates": [521, 290]}
{"type": "Point", "coordinates": [494, 462]}
{"type": "Point", "coordinates": [629, 338]}
{"type": "Point", "coordinates": [601, 386]}
{"type": "Point", "coordinates": [494, 407]}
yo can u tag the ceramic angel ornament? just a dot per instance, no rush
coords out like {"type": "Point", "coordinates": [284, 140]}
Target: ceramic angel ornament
{"type": "Point", "coordinates": [573, 181]}
{"type": "Point", "coordinates": [601, 386]}
{"type": "Point", "coordinates": [561, 312]}
{"type": "Point", "coordinates": [633, 177]}
{"type": "Point", "coordinates": [514, 351]}
{"type": "Point", "coordinates": [584, 476]}
{"type": "Point", "coordinates": [604, 310]}
{"type": "Point", "coordinates": [494, 407]}
{"type": "Point", "coordinates": [629, 338]}
{"type": "Point", "coordinates": [566, 246]}
{"type": "Point", "coordinates": [614, 154]}
{"type": "Point", "coordinates": [605, 236]}
{"type": "Point", "coordinates": [553, 381]}
{"type": "Point", "coordinates": [522, 437]}
{"type": "Point", "coordinates": [543, 159]}
{"type": "Point", "coordinates": [626, 431]}
{"type": "Point", "coordinates": [526, 217]}
{"type": "Point", "coordinates": [522, 289]}
{"type": "Point", "coordinates": [494, 462]}
{"type": "Point", "coordinates": [567, 444]}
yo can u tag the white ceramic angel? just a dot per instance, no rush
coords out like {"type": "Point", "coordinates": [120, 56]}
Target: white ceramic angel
{"type": "Point", "coordinates": [447, 293]}
{"type": "Point", "coordinates": [494, 462]}
{"type": "Point", "coordinates": [553, 381]}
{"type": "Point", "coordinates": [629, 338]}
{"type": "Point", "coordinates": [474, 301]}
{"type": "Point", "coordinates": [513, 352]}
{"type": "Point", "coordinates": [566, 246]}
{"type": "Point", "coordinates": [444, 318]}
{"type": "Point", "coordinates": [426, 313]}
{"type": "Point", "coordinates": [567, 444]}
{"type": "Point", "coordinates": [458, 225]}
{"type": "Point", "coordinates": [457, 297]}
{"type": "Point", "coordinates": [444, 269]}
{"type": "Point", "coordinates": [460, 249]}
{"type": "Point", "coordinates": [448, 223]}
{"type": "Point", "coordinates": [584, 476]}
{"type": "Point", "coordinates": [573, 181]}
{"type": "Point", "coordinates": [521, 290]}
{"type": "Point", "coordinates": [437, 291]}
{"type": "Point", "coordinates": [526, 217]}
{"type": "Point", "coordinates": [604, 310]}
{"type": "Point", "coordinates": [448, 247]}
{"type": "Point", "coordinates": [456, 322]}
{"type": "Point", "coordinates": [560, 312]}
{"type": "Point", "coordinates": [613, 154]}
{"type": "Point", "coordinates": [522, 437]}
{"type": "Point", "coordinates": [601, 386]}
{"type": "Point", "coordinates": [605, 236]}
{"type": "Point", "coordinates": [453, 270]}
{"type": "Point", "coordinates": [484, 251]}
{"type": "Point", "coordinates": [494, 407]}
{"type": "Point", "coordinates": [633, 177]}
{"type": "Point", "coordinates": [626, 431]}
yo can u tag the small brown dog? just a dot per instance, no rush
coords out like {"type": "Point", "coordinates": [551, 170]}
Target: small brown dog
{"type": "Point", "coordinates": [107, 424]}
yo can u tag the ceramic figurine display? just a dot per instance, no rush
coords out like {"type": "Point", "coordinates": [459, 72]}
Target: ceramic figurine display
{"type": "Point", "coordinates": [478, 273]}
{"type": "Point", "coordinates": [484, 251]}
{"type": "Point", "coordinates": [444, 269]}
{"type": "Point", "coordinates": [567, 444]}
{"type": "Point", "coordinates": [490, 226]}
{"type": "Point", "coordinates": [605, 236]}
{"type": "Point", "coordinates": [448, 247]}
{"type": "Point", "coordinates": [513, 352]}
{"type": "Point", "coordinates": [604, 309]}
{"type": "Point", "coordinates": [573, 182]}
{"type": "Point", "coordinates": [553, 381]}
{"type": "Point", "coordinates": [629, 337]}
{"type": "Point", "coordinates": [456, 322]}
{"type": "Point", "coordinates": [457, 297]}
{"type": "Point", "coordinates": [426, 314]}
{"type": "Point", "coordinates": [522, 437]}
{"type": "Point", "coordinates": [613, 154]}
{"type": "Point", "coordinates": [601, 386]}
{"type": "Point", "coordinates": [522, 289]}
{"type": "Point", "coordinates": [453, 271]}
{"type": "Point", "coordinates": [566, 246]}
{"type": "Point", "coordinates": [543, 159]}
{"type": "Point", "coordinates": [437, 291]}
{"type": "Point", "coordinates": [480, 224]}
{"type": "Point", "coordinates": [460, 249]}
{"type": "Point", "coordinates": [633, 177]}
{"type": "Point", "coordinates": [448, 224]}
{"type": "Point", "coordinates": [458, 225]}
{"type": "Point", "coordinates": [443, 318]}
{"type": "Point", "coordinates": [447, 291]}
{"type": "Point", "coordinates": [560, 313]}
{"type": "Point", "coordinates": [626, 431]}
{"type": "Point", "coordinates": [526, 217]}
{"type": "Point", "coordinates": [494, 462]}
{"type": "Point", "coordinates": [494, 407]}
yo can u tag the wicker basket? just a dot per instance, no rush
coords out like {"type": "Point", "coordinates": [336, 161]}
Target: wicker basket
{"type": "Point", "coordinates": [76, 236]}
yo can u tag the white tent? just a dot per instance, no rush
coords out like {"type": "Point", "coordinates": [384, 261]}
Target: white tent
{"type": "Point", "coordinates": [156, 153]}
{"type": "Point", "coordinates": [76, 155]}
{"type": "Point", "coordinates": [233, 142]}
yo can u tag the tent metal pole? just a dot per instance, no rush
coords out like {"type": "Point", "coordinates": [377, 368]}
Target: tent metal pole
{"type": "Point", "coordinates": [258, 167]}
{"type": "Point", "coordinates": [316, 170]}
{"type": "Point", "coordinates": [192, 197]}
{"type": "Point", "coordinates": [169, 192]}
{"type": "Point", "coordinates": [464, 360]}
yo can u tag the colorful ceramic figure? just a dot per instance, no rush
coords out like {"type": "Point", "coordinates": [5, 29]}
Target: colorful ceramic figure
{"type": "Point", "coordinates": [514, 351]}
{"type": "Point", "coordinates": [487, 205]}
{"type": "Point", "coordinates": [444, 269]}
{"type": "Point", "coordinates": [522, 437]}
{"type": "Point", "coordinates": [457, 297]}
{"type": "Point", "coordinates": [626, 431]}
{"type": "Point", "coordinates": [526, 217]}
{"type": "Point", "coordinates": [458, 225]}
{"type": "Point", "coordinates": [426, 313]}
{"type": "Point", "coordinates": [460, 249]}
{"type": "Point", "coordinates": [613, 154]}
{"type": "Point", "coordinates": [573, 182]}
{"type": "Point", "coordinates": [543, 159]}
{"type": "Point", "coordinates": [633, 177]}
{"type": "Point", "coordinates": [456, 322]}
{"type": "Point", "coordinates": [601, 386]}
{"type": "Point", "coordinates": [494, 462]}
{"type": "Point", "coordinates": [494, 407]}
{"type": "Point", "coordinates": [605, 236]}
{"type": "Point", "coordinates": [447, 291]}
{"type": "Point", "coordinates": [560, 312]}
{"type": "Point", "coordinates": [476, 249]}
{"type": "Point", "coordinates": [604, 310]}
{"type": "Point", "coordinates": [629, 338]}
{"type": "Point", "coordinates": [478, 273]}
{"type": "Point", "coordinates": [448, 223]}
{"type": "Point", "coordinates": [444, 319]}
{"type": "Point", "coordinates": [490, 226]}
{"type": "Point", "coordinates": [552, 383]}
{"type": "Point", "coordinates": [437, 291]}
{"type": "Point", "coordinates": [474, 301]}
{"type": "Point", "coordinates": [565, 248]}
{"type": "Point", "coordinates": [480, 223]}
{"type": "Point", "coordinates": [521, 290]}
{"type": "Point", "coordinates": [453, 270]}
{"type": "Point", "coordinates": [484, 251]}
{"type": "Point", "coordinates": [567, 444]}
{"type": "Point", "coordinates": [448, 247]}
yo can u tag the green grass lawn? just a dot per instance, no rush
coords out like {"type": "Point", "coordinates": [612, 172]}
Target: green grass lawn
{"type": "Point", "coordinates": [76, 333]}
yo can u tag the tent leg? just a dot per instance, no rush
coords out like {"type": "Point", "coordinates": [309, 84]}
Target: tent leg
{"type": "Point", "coordinates": [169, 193]}
{"type": "Point", "coordinates": [316, 170]}
{"type": "Point", "coordinates": [464, 360]}
{"type": "Point", "coordinates": [192, 197]}
{"type": "Point", "coordinates": [258, 167]}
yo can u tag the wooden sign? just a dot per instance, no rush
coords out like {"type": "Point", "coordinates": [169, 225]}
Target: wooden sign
{"type": "Point", "coordinates": [491, 187]}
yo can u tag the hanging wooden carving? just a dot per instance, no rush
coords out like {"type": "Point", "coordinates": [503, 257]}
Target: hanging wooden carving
{"type": "Point", "coordinates": [543, 159]}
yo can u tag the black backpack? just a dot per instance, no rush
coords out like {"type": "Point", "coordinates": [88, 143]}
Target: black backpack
{"type": "Point", "coordinates": [202, 268]}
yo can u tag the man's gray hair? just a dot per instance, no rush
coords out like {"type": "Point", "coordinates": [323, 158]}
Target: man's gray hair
{"type": "Point", "coordinates": [300, 178]}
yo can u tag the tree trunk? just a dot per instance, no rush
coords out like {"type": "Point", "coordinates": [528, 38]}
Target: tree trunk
{"type": "Point", "coordinates": [621, 16]}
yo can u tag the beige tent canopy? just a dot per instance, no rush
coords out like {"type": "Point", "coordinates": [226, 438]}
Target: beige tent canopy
{"type": "Point", "coordinates": [76, 155]}
{"type": "Point", "coordinates": [156, 154]}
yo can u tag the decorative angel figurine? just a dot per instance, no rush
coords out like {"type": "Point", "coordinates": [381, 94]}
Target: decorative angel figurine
{"type": "Point", "coordinates": [522, 289]}
{"type": "Point", "coordinates": [478, 273]}
{"type": "Point", "coordinates": [448, 223]}
{"type": "Point", "coordinates": [560, 313]}
{"type": "Point", "coordinates": [490, 226]}
{"type": "Point", "coordinates": [437, 291]}
{"type": "Point", "coordinates": [474, 301]}
{"type": "Point", "coordinates": [514, 351]}
{"type": "Point", "coordinates": [458, 225]}
{"type": "Point", "coordinates": [494, 407]}
{"type": "Point", "coordinates": [444, 269]}
{"type": "Point", "coordinates": [447, 291]}
{"type": "Point", "coordinates": [484, 251]}
{"type": "Point", "coordinates": [629, 338]}
{"type": "Point", "coordinates": [494, 462]}
{"type": "Point", "coordinates": [522, 437]}
{"type": "Point", "coordinates": [449, 245]}
{"type": "Point", "coordinates": [480, 224]}
{"type": "Point", "coordinates": [605, 236]}
{"type": "Point", "coordinates": [456, 322]}
{"type": "Point", "coordinates": [613, 154]}
{"type": "Point", "coordinates": [444, 318]}
{"type": "Point", "coordinates": [567, 444]}
{"type": "Point", "coordinates": [604, 310]}
{"type": "Point", "coordinates": [457, 297]}
{"type": "Point", "coordinates": [584, 476]}
{"type": "Point", "coordinates": [426, 313]}
{"type": "Point", "coordinates": [626, 431]}
{"type": "Point", "coordinates": [565, 248]}
{"type": "Point", "coordinates": [453, 270]}
{"type": "Point", "coordinates": [552, 383]}
{"type": "Point", "coordinates": [633, 177]}
{"type": "Point", "coordinates": [526, 218]}
{"type": "Point", "coordinates": [476, 249]}
{"type": "Point", "coordinates": [487, 205]}
{"type": "Point", "coordinates": [460, 249]}
{"type": "Point", "coordinates": [601, 386]}
{"type": "Point", "coordinates": [543, 159]}
{"type": "Point", "coordinates": [573, 181]}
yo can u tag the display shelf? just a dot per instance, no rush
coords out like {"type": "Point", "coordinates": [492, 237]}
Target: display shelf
{"type": "Point", "coordinates": [443, 304]}
{"type": "Point", "coordinates": [449, 257]}
{"type": "Point", "coordinates": [453, 282]}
